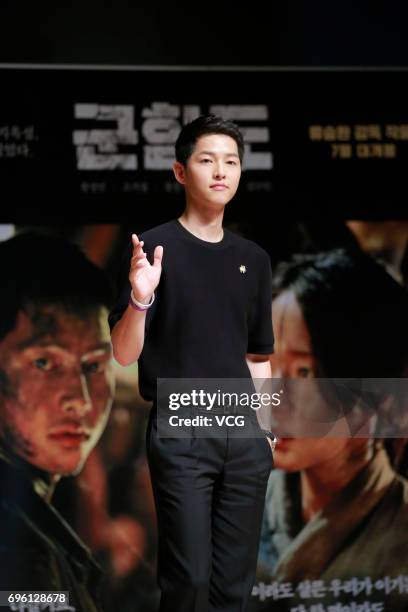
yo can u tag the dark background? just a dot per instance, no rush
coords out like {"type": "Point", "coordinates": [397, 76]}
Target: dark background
{"type": "Point", "coordinates": [326, 62]}
{"type": "Point", "coordinates": [285, 33]}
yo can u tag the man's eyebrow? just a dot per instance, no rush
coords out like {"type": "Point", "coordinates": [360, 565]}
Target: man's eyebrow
{"type": "Point", "coordinates": [41, 338]}
{"type": "Point", "coordinates": [212, 153]}
{"type": "Point", "coordinates": [103, 347]}
{"type": "Point", "coordinates": [47, 342]}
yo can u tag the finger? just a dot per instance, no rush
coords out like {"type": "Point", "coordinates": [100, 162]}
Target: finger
{"type": "Point", "coordinates": [157, 256]}
{"type": "Point", "coordinates": [137, 249]}
{"type": "Point", "coordinates": [138, 256]}
{"type": "Point", "coordinates": [136, 241]}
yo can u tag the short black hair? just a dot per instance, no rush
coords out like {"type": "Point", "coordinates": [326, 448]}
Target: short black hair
{"type": "Point", "coordinates": [203, 125]}
{"type": "Point", "coordinates": [39, 270]}
{"type": "Point", "coordinates": [356, 313]}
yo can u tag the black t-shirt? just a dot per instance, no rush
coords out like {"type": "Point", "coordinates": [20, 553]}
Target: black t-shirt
{"type": "Point", "coordinates": [212, 307]}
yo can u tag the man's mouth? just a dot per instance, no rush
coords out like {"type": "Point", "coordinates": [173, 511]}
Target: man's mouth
{"type": "Point", "coordinates": [69, 437]}
{"type": "Point", "coordinates": [218, 186]}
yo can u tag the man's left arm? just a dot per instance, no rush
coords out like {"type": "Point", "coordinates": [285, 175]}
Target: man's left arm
{"type": "Point", "coordinates": [259, 365]}
{"type": "Point", "coordinates": [260, 335]}
{"type": "Point", "coordinates": [260, 368]}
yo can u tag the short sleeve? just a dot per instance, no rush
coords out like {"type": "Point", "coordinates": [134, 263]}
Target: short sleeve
{"type": "Point", "coordinates": [260, 333]}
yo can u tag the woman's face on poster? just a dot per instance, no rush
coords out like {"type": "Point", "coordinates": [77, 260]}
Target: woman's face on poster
{"type": "Point", "coordinates": [311, 429]}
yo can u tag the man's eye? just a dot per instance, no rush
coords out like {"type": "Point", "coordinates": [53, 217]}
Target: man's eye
{"type": "Point", "coordinates": [232, 163]}
{"type": "Point", "coordinates": [93, 368]}
{"type": "Point", "coordinates": [42, 363]}
{"type": "Point", "coordinates": [204, 161]}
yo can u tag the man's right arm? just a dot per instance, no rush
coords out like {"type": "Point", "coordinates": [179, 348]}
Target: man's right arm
{"type": "Point", "coordinates": [128, 332]}
{"type": "Point", "coordinates": [128, 336]}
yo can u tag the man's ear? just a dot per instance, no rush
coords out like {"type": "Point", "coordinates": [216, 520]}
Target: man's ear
{"type": "Point", "coordinates": [179, 172]}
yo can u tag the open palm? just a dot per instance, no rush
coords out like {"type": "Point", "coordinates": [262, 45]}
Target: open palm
{"type": "Point", "coordinates": [144, 276]}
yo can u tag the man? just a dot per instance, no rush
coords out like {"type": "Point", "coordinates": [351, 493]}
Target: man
{"type": "Point", "coordinates": [211, 318]}
{"type": "Point", "coordinates": [56, 387]}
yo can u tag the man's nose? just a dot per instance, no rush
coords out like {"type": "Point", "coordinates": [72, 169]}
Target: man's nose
{"type": "Point", "coordinates": [77, 400]}
{"type": "Point", "coordinates": [219, 170]}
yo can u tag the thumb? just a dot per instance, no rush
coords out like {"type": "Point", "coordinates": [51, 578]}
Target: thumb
{"type": "Point", "coordinates": [157, 256]}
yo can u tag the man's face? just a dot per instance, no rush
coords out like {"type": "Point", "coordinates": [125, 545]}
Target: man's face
{"type": "Point", "coordinates": [211, 175]}
{"type": "Point", "coordinates": [57, 386]}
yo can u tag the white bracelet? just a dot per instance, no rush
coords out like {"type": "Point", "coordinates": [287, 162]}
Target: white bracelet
{"type": "Point", "coordinates": [138, 305]}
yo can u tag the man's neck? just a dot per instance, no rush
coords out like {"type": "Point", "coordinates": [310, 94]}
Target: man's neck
{"type": "Point", "coordinates": [206, 225]}
{"type": "Point", "coordinates": [43, 483]}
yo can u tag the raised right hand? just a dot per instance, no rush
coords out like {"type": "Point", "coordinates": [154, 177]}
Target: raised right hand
{"type": "Point", "coordinates": [144, 276]}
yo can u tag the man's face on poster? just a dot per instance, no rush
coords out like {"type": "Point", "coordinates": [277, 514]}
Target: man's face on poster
{"type": "Point", "coordinates": [57, 384]}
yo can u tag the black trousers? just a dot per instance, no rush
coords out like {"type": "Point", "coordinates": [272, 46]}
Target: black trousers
{"type": "Point", "coordinates": [209, 495]}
